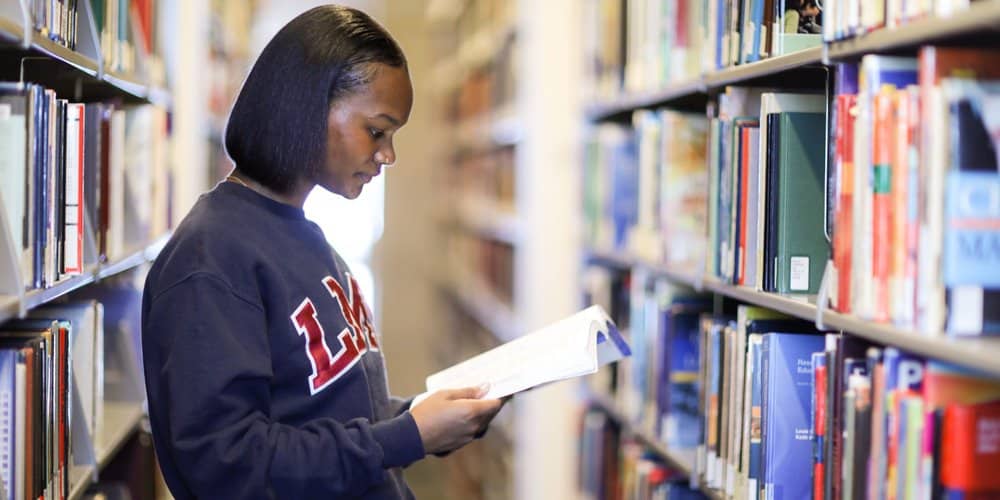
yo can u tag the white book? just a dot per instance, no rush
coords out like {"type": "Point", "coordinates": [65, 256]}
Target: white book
{"type": "Point", "coordinates": [73, 245]}
{"type": "Point", "coordinates": [20, 428]}
{"type": "Point", "coordinates": [577, 345]}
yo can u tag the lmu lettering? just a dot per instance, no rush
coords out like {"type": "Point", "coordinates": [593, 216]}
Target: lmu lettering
{"type": "Point", "coordinates": [357, 338]}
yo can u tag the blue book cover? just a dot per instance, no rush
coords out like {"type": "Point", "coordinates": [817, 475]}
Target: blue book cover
{"type": "Point", "coordinates": [677, 393]}
{"type": "Point", "coordinates": [625, 189]}
{"type": "Point", "coordinates": [972, 208]}
{"type": "Point", "coordinates": [787, 360]}
{"type": "Point", "coordinates": [757, 15]}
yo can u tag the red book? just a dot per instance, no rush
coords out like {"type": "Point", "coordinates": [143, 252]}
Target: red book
{"type": "Point", "coordinates": [744, 167]}
{"type": "Point", "coordinates": [970, 449]}
{"type": "Point", "coordinates": [819, 423]}
{"type": "Point", "coordinates": [842, 236]}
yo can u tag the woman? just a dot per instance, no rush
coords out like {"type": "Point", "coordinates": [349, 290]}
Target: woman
{"type": "Point", "coordinates": [263, 370]}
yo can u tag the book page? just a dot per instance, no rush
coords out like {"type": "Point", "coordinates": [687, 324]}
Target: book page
{"type": "Point", "coordinates": [565, 349]}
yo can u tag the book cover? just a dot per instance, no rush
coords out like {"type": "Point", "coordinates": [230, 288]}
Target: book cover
{"type": "Point", "coordinates": [787, 371]}
{"type": "Point", "coordinates": [678, 388]}
{"type": "Point", "coordinates": [971, 254]}
{"type": "Point", "coordinates": [819, 409]}
{"type": "Point", "coordinates": [14, 108]}
{"type": "Point", "coordinates": [970, 450]}
{"type": "Point", "coordinates": [803, 248]}
{"type": "Point", "coordinates": [936, 64]}
{"type": "Point", "coordinates": [846, 108]}
{"type": "Point", "coordinates": [876, 74]}
{"type": "Point", "coordinates": [882, 213]}
{"type": "Point", "coordinates": [772, 168]}
{"type": "Point", "coordinates": [904, 375]}
{"type": "Point", "coordinates": [860, 433]}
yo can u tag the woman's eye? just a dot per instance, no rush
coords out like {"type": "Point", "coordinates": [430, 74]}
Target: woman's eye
{"type": "Point", "coordinates": [376, 133]}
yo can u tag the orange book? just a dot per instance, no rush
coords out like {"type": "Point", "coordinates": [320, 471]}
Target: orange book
{"type": "Point", "coordinates": [882, 210]}
{"type": "Point", "coordinates": [899, 174]}
{"type": "Point", "coordinates": [844, 155]}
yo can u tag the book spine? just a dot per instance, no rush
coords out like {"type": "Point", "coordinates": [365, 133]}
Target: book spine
{"type": "Point", "coordinates": [882, 214]}
{"type": "Point", "coordinates": [819, 423]}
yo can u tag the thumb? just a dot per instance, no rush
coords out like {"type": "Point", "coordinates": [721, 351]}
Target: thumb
{"type": "Point", "coordinates": [466, 392]}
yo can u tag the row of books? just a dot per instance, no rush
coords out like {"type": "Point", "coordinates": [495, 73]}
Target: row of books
{"type": "Point", "coordinates": [914, 154]}
{"type": "Point", "coordinates": [56, 20]}
{"type": "Point", "coordinates": [616, 467]}
{"type": "Point", "coordinates": [643, 45]}
{"type": "Point", "coordinates": [848, 18]}
{"type": "Point", "coordinates": [777, 409]}
{"type": "Point", "coordinates": [766, 168]}
{"type": "Point", "coordinates": [49, 365]}
{"type": "Point", "coordinates": [69, 171]}
{"type": "Point", "coordinates": [125, 27]}
{"type": "Point", "coordinates": [126, 30]}
{"type": "Point", "coordinates": [893, 184]}
{"type": "Point", "coordinates": [789, 413]}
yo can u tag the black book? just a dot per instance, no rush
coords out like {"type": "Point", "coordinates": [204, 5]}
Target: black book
{"type": "Point", "coordinates": [773, 200]}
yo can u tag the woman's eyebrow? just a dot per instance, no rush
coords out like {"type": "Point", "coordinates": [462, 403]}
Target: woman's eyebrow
{"type": "Point", "coordinates": [388, 117]}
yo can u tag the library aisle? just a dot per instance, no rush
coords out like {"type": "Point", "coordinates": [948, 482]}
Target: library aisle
{"type": "Point", "coordinates": [790, 209]}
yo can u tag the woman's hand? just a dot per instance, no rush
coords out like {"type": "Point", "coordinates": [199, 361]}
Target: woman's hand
{"type": "Point", "coordinates": [450, 419]}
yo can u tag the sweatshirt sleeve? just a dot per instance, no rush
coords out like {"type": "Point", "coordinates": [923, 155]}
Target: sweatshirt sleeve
{"type": "Point", "coordinates": [399, 405]}
{"type": "Point", "coordinates": [209, 389]}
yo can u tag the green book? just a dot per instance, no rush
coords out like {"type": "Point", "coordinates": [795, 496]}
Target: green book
{"type": "Point", "coordinates": [802, 247]}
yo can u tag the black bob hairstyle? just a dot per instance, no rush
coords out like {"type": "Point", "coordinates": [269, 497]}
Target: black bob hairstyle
{"type": "Point", "coordinates": [277, 128]}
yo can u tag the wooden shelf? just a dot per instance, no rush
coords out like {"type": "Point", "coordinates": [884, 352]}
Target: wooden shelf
{"type": "Point", "coordinates": [489, 220]}
{"type": "Point", "coordinates": [764, 68]}
{"type": "Point", "coordinates": [69, 67]}
{"type": "Point", "coordinates": [80, 477]}
{"type": "Point", "coordinates": [980, 353]}
{"type": "Point", "coordinates": [674, 93]}
{"type": "Point", "coordinates": [982, 17]}
{"type": "Point", "coordinates": [10, 306]}
{"type": "Point", "coordinates": [121, 419]}
{"type": "Point", "coordinates": [496, 129]}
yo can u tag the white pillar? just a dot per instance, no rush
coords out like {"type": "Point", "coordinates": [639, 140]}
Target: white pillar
{"type": "Point", "coordinates": [549, 207]}
{"type": "Point", "coordinates": [184, 24]}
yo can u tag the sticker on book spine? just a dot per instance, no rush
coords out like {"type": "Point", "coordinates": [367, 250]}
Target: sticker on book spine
{"type": "Point", "coordinates": [799, 274]}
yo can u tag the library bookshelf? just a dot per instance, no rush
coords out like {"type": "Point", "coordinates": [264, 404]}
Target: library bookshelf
{"type": "Point", "coordinates": [810, 70]}
{"type": "Point", "coordinates": [85, 74]}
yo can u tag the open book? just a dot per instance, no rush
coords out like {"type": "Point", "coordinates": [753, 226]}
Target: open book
{"type": "Point", "coordinates": [571, 347]}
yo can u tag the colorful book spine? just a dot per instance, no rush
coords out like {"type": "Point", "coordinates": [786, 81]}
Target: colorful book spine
{"type": "Point", "coordinates": [819, 423]}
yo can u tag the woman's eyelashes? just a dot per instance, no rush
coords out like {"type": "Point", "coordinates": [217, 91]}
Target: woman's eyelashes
{"type": "Point", "coordinates": [376, 133]}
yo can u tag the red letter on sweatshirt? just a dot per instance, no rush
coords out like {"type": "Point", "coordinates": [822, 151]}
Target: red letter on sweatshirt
{"type": "Point", "coordinates": [326, 367]}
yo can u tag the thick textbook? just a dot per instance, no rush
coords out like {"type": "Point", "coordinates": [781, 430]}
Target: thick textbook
{"type": "Point", "coordinates": [571, 347]}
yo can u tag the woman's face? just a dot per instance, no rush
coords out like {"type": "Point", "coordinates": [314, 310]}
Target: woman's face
{"type": "Point", "coordinates": [360, 129]}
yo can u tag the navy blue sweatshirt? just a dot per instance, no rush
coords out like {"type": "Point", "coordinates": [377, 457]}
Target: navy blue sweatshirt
{"type": "Point", "coordinates": [263, 371]}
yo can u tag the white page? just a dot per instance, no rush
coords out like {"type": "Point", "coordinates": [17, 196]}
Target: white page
{"type": "Point", "coordinates": [564, 349]}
